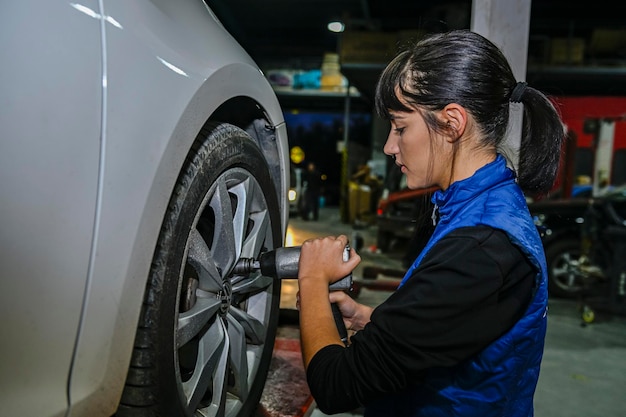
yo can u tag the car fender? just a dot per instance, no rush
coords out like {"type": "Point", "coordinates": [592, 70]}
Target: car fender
{"type": "Point", "coordinates": [142, 159]}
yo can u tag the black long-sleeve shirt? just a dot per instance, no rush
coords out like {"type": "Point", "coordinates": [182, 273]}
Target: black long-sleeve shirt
{"type": "Point", "coordinates": [470, 288]}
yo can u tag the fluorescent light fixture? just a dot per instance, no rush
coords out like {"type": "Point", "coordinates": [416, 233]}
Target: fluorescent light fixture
{"type": "Point", "coordinates": [336, 26]}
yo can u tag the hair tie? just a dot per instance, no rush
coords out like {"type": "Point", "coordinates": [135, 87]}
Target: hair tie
{"type": "Point", "coordinates": [518, 91]}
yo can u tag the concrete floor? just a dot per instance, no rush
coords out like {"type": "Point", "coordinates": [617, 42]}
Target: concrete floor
{"type": "Point", "coordinates": [584, 367]}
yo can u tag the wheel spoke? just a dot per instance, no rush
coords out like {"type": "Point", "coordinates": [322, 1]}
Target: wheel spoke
{"type": "Point", "coordinates": [191, 322]}
{"type": "Point", "coordinates": [201, 259]}
{"type": "Point", "coordinates": [225, 250]}
{"type": "Point", "coordinates": [570, 280]}
{"type": "Point", "coordinates": [253, 284]}
{"type": "Point", "coordinates": [565, 272]}
{"type": "Point", "coordinates": [244, 192]}
{"type": "Point", "coordinates": [211, 365]}
{"type": "Point", "coordinates": [238, 359]}
{"type": "Point", "coordinates": [559, 271]}
{"type": "Point", "coordinates": [253, 328]}
{"type": "Point", "coordinates": [256, 238]}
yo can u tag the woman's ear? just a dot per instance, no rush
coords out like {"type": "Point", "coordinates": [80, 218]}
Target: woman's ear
{"type": "Point", "coordinates": [455, 119]}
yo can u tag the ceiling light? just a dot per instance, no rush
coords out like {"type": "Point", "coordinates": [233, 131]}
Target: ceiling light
{"type": "Point", "coordinates": [336, 26]}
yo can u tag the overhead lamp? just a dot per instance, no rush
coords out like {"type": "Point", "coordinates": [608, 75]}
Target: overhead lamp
{"type": "Point", "coordinates": [336, 26]}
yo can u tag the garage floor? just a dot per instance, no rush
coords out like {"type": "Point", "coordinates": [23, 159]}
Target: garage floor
{"type": "Point", "coordinates": [583, 371]}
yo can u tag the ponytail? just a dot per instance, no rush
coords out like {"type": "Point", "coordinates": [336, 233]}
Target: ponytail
{"type": "Point", "coordinates": [543, 133]}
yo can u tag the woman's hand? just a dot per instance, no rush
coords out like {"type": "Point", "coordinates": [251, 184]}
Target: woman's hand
{"type": "Point", "coordinates": [321, 263]}
{"type": "Point", "coordinates": [322, 259]}
{"type": "Point", "coordinates": [355, 315]}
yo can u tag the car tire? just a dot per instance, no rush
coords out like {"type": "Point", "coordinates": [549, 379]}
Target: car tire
{"type": "Point", "coordinates": [205, 336]}
{"type": "Point", "coordinates": [563, 280]}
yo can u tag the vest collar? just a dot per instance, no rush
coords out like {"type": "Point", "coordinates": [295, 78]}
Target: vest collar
{"type": "Point", "coordinates": [483, 179]}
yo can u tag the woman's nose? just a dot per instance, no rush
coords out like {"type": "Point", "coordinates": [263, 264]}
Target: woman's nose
{"type": "Point", "coordinates": [390, 147]}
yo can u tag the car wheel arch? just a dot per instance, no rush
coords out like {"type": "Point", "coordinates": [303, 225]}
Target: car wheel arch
{"type": "Point", "coordinates": [176, 203]}
{"type": "Point", "coordinates": [247, 114]}
{"type": "Point", "coordinates": [266, 126]}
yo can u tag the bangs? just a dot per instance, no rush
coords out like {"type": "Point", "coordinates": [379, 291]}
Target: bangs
{"type": "Point", "coordinates": [390, 82]}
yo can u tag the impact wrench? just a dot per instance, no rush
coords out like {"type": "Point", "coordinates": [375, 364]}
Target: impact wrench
{"type": "Point", "coordinates": [282, 263]}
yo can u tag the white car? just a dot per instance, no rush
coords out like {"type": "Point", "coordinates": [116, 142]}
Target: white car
{"type": "Point", "coordinates": [142, 153]}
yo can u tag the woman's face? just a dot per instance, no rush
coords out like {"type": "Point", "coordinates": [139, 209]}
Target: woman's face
{"type": "Point", "coordinates": [410, 142]}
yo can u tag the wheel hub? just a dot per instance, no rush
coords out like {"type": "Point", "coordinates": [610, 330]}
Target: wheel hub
{"type": "Point", "coordinates": [225, 296]}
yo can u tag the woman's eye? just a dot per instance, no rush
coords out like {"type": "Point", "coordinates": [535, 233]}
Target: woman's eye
{"type": "Point", "coordinates": [398, 130]}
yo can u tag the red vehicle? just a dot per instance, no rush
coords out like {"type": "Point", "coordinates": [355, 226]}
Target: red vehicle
{"type": "Point", "coordinates": [596, 148]}
{"type": "Point", "coordinates": [404, 220]}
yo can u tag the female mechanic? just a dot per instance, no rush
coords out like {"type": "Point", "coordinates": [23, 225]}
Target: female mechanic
{"type": "Point", "coordinates": [463, 334]}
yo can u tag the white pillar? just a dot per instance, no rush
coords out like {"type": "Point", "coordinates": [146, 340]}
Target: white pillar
{"type": "Point", "coordinates": [507, 24]}
{"type": "Point", "coordinates": [604, 156]}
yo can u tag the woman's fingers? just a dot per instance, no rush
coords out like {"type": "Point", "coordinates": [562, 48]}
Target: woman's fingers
{"type": "Point", "coordinates": [323, 258]}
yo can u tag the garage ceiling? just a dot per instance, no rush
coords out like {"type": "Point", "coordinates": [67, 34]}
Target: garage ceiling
{"type": "Point", "coordinates": [293, 34]}
{"type": "Point", "coordinates": [295, 30]}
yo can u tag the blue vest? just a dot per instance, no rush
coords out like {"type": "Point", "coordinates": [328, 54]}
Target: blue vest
{"type": "Point", "coordinates": [501, 380]}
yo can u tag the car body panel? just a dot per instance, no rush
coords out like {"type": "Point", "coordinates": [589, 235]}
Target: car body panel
{"type": "Point", "coordinates": [570, 226]}
{"type": "Point", "coordinates": [49, 174]}
{"type": "Point", "coordinates": [168, 66]}
{"type": "Point", "coordinates": [560, 218]}
{"type": "Point", "coordinates": [565, 217]}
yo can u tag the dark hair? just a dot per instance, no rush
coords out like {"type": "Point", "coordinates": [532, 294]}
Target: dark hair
{"type": "Point", "coordinates": [465, 68]}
